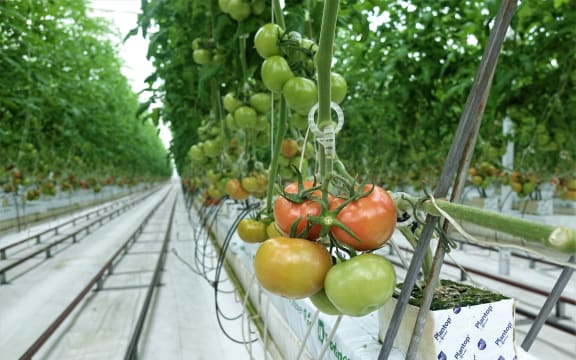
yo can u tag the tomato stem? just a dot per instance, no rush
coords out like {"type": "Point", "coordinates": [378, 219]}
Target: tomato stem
{"type": "Point", "coordinates": [278, 14]}
{"type": "Point", "coordinates": [281, 130]}
{"type": "Point", "coordinates": [562, 239]}
{"type": "Point", "coordinates": [324, 58]}
{"type": "Point", "coordinates": [323, 66]}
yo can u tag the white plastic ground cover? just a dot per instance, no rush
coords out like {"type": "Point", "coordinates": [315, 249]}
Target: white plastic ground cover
{"type": "Point", "coordinates": [356, 338]}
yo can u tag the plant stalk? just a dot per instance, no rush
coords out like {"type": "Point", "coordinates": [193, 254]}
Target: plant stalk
{"type": "Point", "coordinates": [278, 15]}
{"type": "Point", "coordinates": [323, 70]}
{"type": "Point", "coordinates": [273, 170]}
{"type": "Point", "coordinates": [562, 239]}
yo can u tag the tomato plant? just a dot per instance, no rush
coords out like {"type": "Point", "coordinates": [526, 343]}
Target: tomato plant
{"type": "Point", "coordinates": [287, 213]}
{"type": "Point", "coordinates": [292, 267]}
{"type": "Point", "coordinates": [275, 72]}
{"type": "Point", "coordinates": [252, 230]}
{"type": "Point", "coordinates": [360, 285]}
{"type": "Point", "coordinates": [372, 218]}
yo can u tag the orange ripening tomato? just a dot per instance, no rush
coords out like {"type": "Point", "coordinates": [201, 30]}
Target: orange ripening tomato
{"type": "Point", "coordinates": [372, 218]}
{"type": "Point", "coordinates": [235, 190]}
{"type": "Point", "coordinates": [292, 267]}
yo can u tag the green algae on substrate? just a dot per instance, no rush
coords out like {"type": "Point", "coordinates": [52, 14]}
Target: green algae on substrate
{"type": "Point", "coordinates": [451, 294]}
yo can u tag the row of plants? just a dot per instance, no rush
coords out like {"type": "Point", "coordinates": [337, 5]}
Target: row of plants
{"type": "Point", "coordinates": [68, 117]}
{"type": "Point", "coordinates": [430, 53]}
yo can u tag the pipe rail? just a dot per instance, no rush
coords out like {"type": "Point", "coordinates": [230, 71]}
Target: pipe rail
{"type": "Point", "coordinates": [48, 249]}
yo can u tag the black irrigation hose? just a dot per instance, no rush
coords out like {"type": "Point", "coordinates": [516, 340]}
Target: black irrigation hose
{"type": "Point", "coordinates": [221, 261]}
{"type": "Point", "coordinates": [208, 217]}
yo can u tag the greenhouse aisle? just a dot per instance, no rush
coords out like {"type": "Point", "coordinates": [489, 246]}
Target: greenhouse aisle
{"type": "Point", "coordinates": [184, 325]}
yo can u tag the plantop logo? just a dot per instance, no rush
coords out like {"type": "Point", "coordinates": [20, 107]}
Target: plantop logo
{"type": "Point", "coordinates": [440, 334]}
{"type": "Point", "coordinates": [501, 340]}
{"type": "Point", "coordinates": [462, 350]}
{"type": "Point", "coordinates": [441, 355]}
{"type": "Point", "coordinates": [481, 323]}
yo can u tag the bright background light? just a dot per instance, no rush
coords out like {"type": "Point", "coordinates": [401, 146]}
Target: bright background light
{"type": "Point", "coordinates": [124, 15]}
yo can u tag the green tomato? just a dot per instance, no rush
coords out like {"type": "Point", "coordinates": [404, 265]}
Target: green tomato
{"type": "Point", "coordinates": [239, 10]}
{"type": "Point", "coordinates": [246, 117]}
{"type": "Point", "coordinates": [252, 231]}
{"type": "Point", "coordinates": [231, 122]}
{"type": "Point", "coordinates": [360, 285]}
{"type": "Point", "coordinates": [338, 88]}
{"type": "Point", "coordinates": [262, 138]}
{"type": "Point", "coordinates": [258, 7]}
{"type": "Point", "coordinates": [322, 303]}
{"type": "Point", "coordinates": [197, 44]}
{"type": "Point", "coordinates": [300, 122]}
{"type": "Point", "coordinates": [275, 73]}
{"type": "Point", "coordinates": [202, 56]}
{"type": "Point", "coordinates": [218, 58]}
{"type": "Point", "coordinates": [213, 176]}
{"type": "Point", "coordinates": [195, 153]}
{"type": "Point", "coordinates": [266, 40]}
{"type": "Point", "coordinates": [262, 123]}
{"type": "Point", "coordinates": [224, 6]}
{"type": "Point", "coordinates": [211, 148]}
{"type": "Point", "coordinates": [230, 102]}
{"type": "Point", "coordinates": [261, 102]}
{"type": "Point", "coordinates": [300, 94]}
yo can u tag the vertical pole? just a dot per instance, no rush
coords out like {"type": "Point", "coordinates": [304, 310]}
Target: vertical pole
{"type": "Point", "coordinates": [505, 200]}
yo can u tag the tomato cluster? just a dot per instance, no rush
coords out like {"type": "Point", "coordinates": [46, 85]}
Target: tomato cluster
{"type": "Point", "coordinates": [240, 10]}
{"type": "Point", "coordinates": [289, 68]}
{"type": "Point", "coordinates": [254, 184]}
{"type": "Point", "coordinates": [204, 52]}
{"type": "Point", "coordinates": [251, 115]}
{"type": "Point", "coordinates": [291, 156]}
{"type": "Point", "coordinates": [325, 248]}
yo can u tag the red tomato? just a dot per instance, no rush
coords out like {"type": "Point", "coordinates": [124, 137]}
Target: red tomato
{"type": "Point", "coordinates": [372, 218]}
{"type": "Point", "coordinates": [291, 267]}
{"type": "Point", "coordinates": [287, 213]}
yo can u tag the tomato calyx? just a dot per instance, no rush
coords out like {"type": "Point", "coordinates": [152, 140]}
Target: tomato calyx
{"type": "Point", "coordinates": [302, 194]}
{"type": "Point", "coordinates": [328, 218]}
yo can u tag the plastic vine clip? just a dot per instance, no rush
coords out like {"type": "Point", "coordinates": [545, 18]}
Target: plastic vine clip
{"type": "Point", "coordinates": [327, 135]}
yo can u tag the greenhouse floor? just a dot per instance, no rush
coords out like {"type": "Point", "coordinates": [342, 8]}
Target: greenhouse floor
{"type": "Point", "coordinates": [184, 324]}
